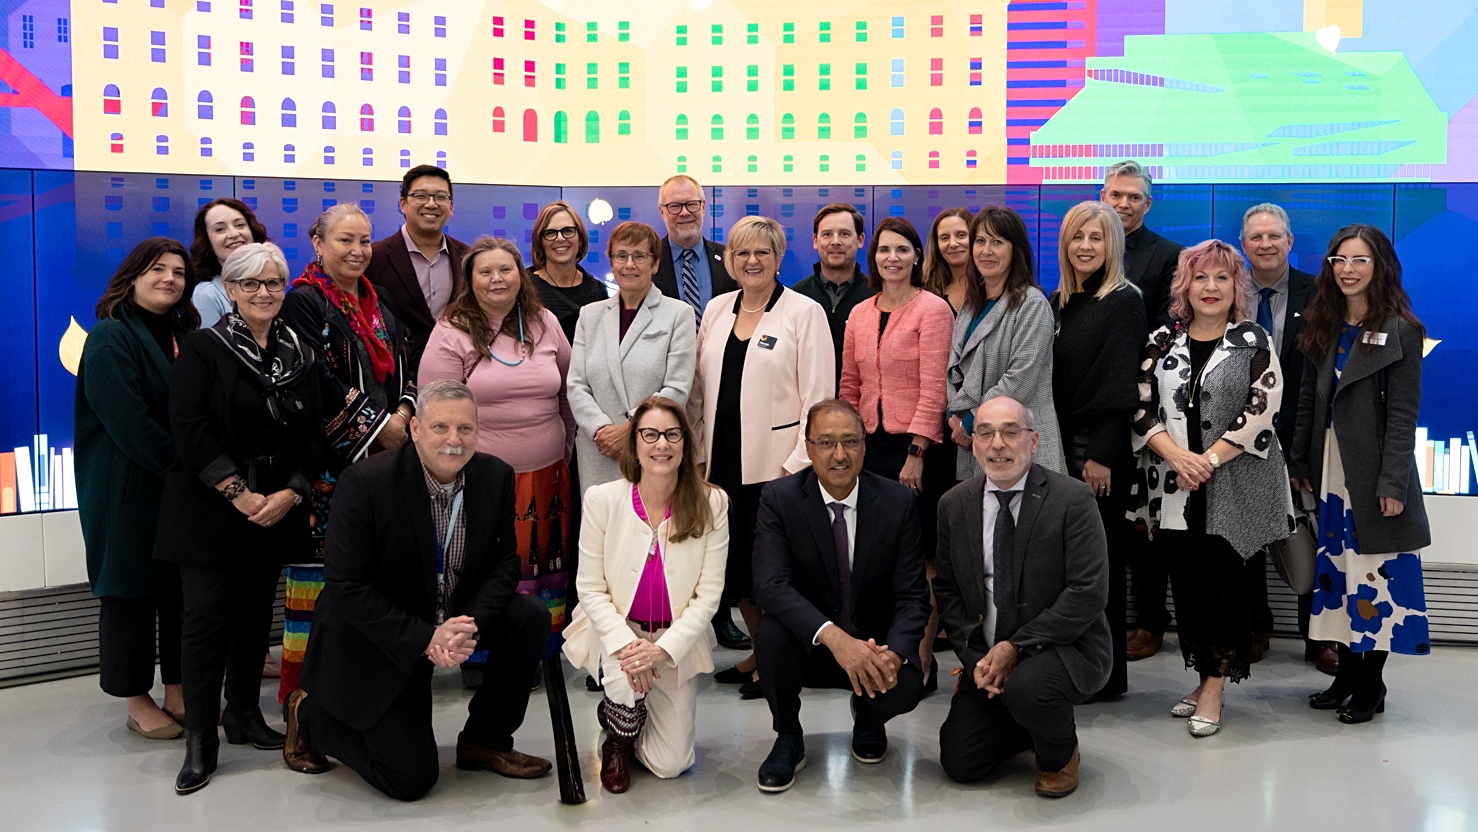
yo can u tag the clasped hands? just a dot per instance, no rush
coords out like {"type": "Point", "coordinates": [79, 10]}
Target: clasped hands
{"type": "Point", "coordinates": [263, 509]}
{"type": "Point", "coordinates": [639, 661]}
{"type": "Point", "coordinates": [453, 642]}
{"type": "Point", "coordinates": [993, 669]}
{"type": "Point", "coordinates": [1192, 470]}
{"type": "Point", "coordinates": [872, 667]}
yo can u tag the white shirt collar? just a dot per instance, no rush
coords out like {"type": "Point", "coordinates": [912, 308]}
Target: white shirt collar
{"type": "Point", "coordinates": [850, 501]}
{"type": "Point", "coordinates": [990, 484]}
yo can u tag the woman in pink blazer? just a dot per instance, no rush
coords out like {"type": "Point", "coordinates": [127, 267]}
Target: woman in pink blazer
{"type": "Point", "coordinates": [765, 356]}
{"type": "Point", "coordinates": [894, 357]}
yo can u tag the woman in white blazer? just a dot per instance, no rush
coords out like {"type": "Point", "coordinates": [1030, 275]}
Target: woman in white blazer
{"type": "Point", "coordinates": [652, 549]}
{"type": "Point", "coordinates": [765, 355]}
{"type": "Point", "coordinates": [634, 345]}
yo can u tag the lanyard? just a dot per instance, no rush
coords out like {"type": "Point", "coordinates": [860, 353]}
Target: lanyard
{"type": "Point", "coordinates": [441, 551]}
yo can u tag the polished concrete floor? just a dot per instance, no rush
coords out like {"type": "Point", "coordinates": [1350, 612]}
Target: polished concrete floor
{"type": "Point", "coordinates": [68, 763]}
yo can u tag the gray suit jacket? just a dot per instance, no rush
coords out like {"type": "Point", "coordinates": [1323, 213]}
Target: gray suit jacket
{"type": "Point", "coordinates": [1061, 581]}
{"type": "Point", "coordinates": [609, 376]}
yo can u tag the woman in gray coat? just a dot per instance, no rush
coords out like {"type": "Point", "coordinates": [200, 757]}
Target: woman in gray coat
{"type": "Point", "coordinates": [628, 347]}
{"type": "Point", "coordinates": [1002, 343]}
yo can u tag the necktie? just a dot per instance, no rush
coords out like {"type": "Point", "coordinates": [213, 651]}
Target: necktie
{"type": "Point", "coordinates": [1004, 557]}
{"type": "Point", "coordinates": [844, 562]}
{"type": "Point", "coordinates": [690, 284]}
{"type": "Point", "coordinates": [1265, 311]}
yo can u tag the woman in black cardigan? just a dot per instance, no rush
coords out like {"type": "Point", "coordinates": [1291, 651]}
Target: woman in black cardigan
{"type": "Point", "coordinates": [1095, 359]}
{"type": "Point", "coordinates": [247, 420]}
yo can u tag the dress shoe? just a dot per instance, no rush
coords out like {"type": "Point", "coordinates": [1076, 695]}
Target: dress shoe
{"type": "Point", "coordinates": [788, 756]}
{"type": "Point", "coordinates": [728, 634]}
{"type": "Point", "coordinates": [733, 676]}
{"type": "Point", "coordinates": [297, 752]}
{"type": "Point", "coordinates": [1200, 726]}
{"type": "Point", "coordinates": [1324, 657]}
{"type": "Point", "coordinates": [869, 738]}
{"type": "Point", "coordinates": [1141, 645]}
{"type": "Point", "coordinates": [751, 690]}
{"type": "Point", "coordinates": [248, 726]}
{"type": "Point", "coordinates": [1183, 709]}
{"type": "Point", "coordinates": [164, 732]}
{"type": "Point", "coordinates": [1260, 642]}
{"type": "Point", "coordinates": [615, 763]}
{"type": "Point", "coordinates": [510, 763]}
{"type": "Point", "coordinates": [1060, 783]}
{"type": "Point", "coordinates": [1356, 713]}
{"type": "Point", "coordinates": [1329, 700]}
{"type": "Point", "coordinates": [592, 684]}
{"type": "Point", "coordinates": [201, 748]}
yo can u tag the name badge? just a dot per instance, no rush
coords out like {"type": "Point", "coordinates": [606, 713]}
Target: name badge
{"type": "Point", "coordinates": [1376, 338]}
{"type": "Point", "coordinates": [767, 342]}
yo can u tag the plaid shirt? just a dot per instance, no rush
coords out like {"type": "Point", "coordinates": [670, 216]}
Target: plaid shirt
{"type": "Point", "coordinates": [441, 515]}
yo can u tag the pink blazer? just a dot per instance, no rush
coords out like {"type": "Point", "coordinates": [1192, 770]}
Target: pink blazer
{"type": "Point", "coordinates": [906, 370]}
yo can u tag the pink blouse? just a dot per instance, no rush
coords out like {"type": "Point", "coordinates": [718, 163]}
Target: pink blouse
{"type": "Point", "coordinates": [652, 604]}
{"type": "Point", "coordinates": [523, 416]}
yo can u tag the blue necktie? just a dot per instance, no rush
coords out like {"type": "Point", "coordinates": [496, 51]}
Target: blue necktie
{"type": "Point", "coordinates": [1265, 311]}
{"type": "Point", "coordinates": [844, 562]}
{"type": "Point", "coordinates": [690, 284]}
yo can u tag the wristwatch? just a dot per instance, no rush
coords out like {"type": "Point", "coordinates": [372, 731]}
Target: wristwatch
{"type": "Point", "coordinates": [915, 450]}
{"type": "Point", "coordinates": [1213, 459]}
{"type": "Point", "coordinates": [297, 498]}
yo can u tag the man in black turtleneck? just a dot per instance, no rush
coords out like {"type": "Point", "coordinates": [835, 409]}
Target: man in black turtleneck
{"type": "Point", "coordinates": [838, 283]}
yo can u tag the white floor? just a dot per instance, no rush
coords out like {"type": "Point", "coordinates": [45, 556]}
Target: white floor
{"type": "Point", "coordinates": [68, 763]}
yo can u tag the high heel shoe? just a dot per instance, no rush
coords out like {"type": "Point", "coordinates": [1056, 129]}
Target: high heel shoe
{"type": "Point", "coordinates": [247, 726]}
{"type": "Point", "coordinates": [1351, 715]}
{"type": "Point", "coordinates": [201, 749]}
{"type": "Point", "coordinates": [1328, 700]}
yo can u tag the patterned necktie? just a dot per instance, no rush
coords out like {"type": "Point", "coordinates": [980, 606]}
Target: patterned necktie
{"type": "Point", "coordinates": [1003, 586]}
{"type": "Point", "coordinates": [1265, 311]}
{"type": "Point", "coordinates": [844, 562]}
{"type": "Point", "coordinates": [690, 284]}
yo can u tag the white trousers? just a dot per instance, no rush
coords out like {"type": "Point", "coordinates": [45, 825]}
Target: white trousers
{"type": "Point", "coordinates": [665, 744]}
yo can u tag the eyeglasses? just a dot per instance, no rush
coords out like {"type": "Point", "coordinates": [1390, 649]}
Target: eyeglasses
{"type": "Point", "coordinates": [1010, 434]}
{"type": "Point", "coordinates": [650, 435]}
{"type": "Point", "coordinates": [421, 197]}
{"type": "Point", "coordinates": [637, 257]}
{"type": "Point", "coordinates": [757, 254]}
{"type": "Point", "coordinates": [691, 206]}
{"type": "Point", "coordinates": [569, 232]}
{"type": "Point", "coordinates": [251, 285]}
{"type": "Point", "coordinates": [1339, 262]}
{"type": "Point", "coordinates": [848, 443]}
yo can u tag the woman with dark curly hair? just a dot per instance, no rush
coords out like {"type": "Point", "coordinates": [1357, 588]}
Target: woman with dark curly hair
{"type": "Point", "coordinates": [221, 226]}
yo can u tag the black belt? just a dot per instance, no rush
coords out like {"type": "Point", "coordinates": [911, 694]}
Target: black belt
{"type": "Point", "coordinates": [651, 626]}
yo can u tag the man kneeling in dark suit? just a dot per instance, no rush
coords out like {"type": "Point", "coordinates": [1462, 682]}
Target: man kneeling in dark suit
{"type": "Point", "coordinates": [419, 569]}
{"type": "Point", "coordinates": [837, 563]}
{"type": "Point", "coordinates": [1022, 585]}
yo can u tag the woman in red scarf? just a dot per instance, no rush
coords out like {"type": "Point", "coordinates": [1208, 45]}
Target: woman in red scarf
{"type": "Point", "coordinates": [368, 388]}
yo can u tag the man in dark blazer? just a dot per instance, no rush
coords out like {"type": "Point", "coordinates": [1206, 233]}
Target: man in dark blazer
{"type": "Point", "coordinates": [839, 282]}
{"type": "Point", "coordinates": [1022, 584]}
{"type": "Point", "coordinates": [1149, 263]}
{"type": "Point", "coordinates": [419, 570]}
{"type": "Point", "coordinates": [1282, 294]}
{"type": "Point", "coordinates": [681, 204]}
{"type": "Point", "coordinates": [419, 268]}
{"type": "Point", "coordinates": [837, 564]}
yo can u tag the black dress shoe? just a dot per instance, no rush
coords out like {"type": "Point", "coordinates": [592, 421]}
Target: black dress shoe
{"type": "Point", "coordinates": [728, 634]}
{"type": "Point", "coordinates": [201, 748]}
{"type": "Point", "coordinates": [869, 738]}
{"type": "Point", "coordinates": [1357, 712]}
{"type": "Point", "coordinates": [592, 684]}
{"type": "Point", "coordinates": [733, 676]}
{"type": "Point", "coordinates": [751, 690]}
{"type": "Point", "coordinates": [777, 772]}
{"type": "Point", "coordinates": [248, 726]}
{"type": "Point", "coordinates": [1328, 700]}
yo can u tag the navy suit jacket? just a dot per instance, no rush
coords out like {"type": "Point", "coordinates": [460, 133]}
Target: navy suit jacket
{"type": "Point", "coordinates": [666, 277]}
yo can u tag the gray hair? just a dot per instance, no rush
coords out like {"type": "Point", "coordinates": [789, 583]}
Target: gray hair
{"type": "Point", "coordinates": [1133, 170]}
{"type": "Point", "coordinates": [443, 390]}
{"type": "Point", "coordinates": [332, 216]}
{"type": "Point", "coordinates": [1268, 208]}
{"type": "Point", "coordinates": [1031, 418]}
{"type": "Point", "coordinates": [834, 406]}
{"type": "Point", "coordinates": [250, 260]}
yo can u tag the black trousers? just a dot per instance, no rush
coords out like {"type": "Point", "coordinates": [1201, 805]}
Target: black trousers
{"type": "Point", "coordinates": [1150, 566]}
{"type": "Point", "coordinates": [397, 755]}
{"type": "Point", "coordinates": [1259, 612]}
{"type": "Point", "coordinates": [228, 613]}
{"type": "Point", "coordinates": [1035, 711]}
{"type": "Point", "coordinates": [788, 662]}
{"type": "Point", "coordinates": [1211, 584]}
{"type": "Point", "coordinates": [134, 633]}
{"type": "Point", "coordinates": [1122, 541]}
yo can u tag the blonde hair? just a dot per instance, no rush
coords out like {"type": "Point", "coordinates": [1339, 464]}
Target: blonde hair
{"type": "Point", "coordinates": [749, 229]}
{"type": "Point", "coordinates": [1113, 250]}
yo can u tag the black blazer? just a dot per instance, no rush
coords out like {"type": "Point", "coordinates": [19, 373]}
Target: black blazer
{"type": "Point", "coordinates": [666, 278]}
{"type": "Point", "coordinates": [374, 620]}
{"type": "Point", "coordinates": [1061, 583]}
{"type": "Point", "coordinates": [393, 276]}
{"type": "Point", "coordinates": [795, 565]}
{"type": "Point", "coordinates": [1300, 292]}
{"type": "Point", "coordinates": [213, 400]}
{"type": "Point", "coordinates": [1150, 264]}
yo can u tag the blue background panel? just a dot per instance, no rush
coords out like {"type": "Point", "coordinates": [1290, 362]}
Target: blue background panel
{"type": "Point", "coordinates": [19, 418]}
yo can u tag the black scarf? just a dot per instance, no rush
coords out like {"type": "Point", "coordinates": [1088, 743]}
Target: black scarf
{"type": "Point", "coordinates": [277, 368]}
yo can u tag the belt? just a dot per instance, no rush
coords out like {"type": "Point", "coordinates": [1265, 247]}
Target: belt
{"type": "Point", "coordinates": [651, 626]}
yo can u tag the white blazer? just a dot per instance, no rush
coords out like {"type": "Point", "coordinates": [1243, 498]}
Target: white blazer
{"type": "Point", "coordinates": [789, 365]}
{"type": "Point", "coordinates": [614, 542]}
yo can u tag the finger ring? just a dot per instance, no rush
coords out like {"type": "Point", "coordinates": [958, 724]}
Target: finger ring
{"type": "Point", "coordinates": [638, 663]}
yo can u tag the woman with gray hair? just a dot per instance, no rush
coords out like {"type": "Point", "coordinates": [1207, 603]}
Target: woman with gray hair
{"type": "Point", "coordinates": [367, 383]}
{"type": "Point", "coordinates": [245, 413]}
{"type": "Point", "coordinates": [765, 355]}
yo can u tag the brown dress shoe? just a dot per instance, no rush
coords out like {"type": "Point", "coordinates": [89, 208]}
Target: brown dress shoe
{"type": "Point", "coordinates": [1326, 659]}
{"type": "Point", "coordinates": [1059, 783]}
{"type": "Point", "coordinates": [510, 763]}
{"type": "Point", "coordinates": [615, 763]}
{"type": "Point", "coordinates": [298, 754]}
{"type": "Point", "coordinates": [1141, 645]}
{"type": "Point", "coordinates": [1260, 642]}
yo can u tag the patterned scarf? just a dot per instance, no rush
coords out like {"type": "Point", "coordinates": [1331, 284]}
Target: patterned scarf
{"type": "Point", "coordinates": [369, 327]}
{"type": "Point", "coordinates": [278, 367]}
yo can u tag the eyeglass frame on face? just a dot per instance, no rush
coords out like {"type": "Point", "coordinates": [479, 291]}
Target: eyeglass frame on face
{"type": "Point", "coordinates": [1359, 261]}
{"type": "Point", "coordinates": [692, 206]}
{"type": "Point", "coordinates": [826, 443]}
{"type": "Point", "coordinates": [242, 284]}
{"type": "Point", "coordinates": [757, 254]}
{"type": "Point", "coordinates": [422, 197]}
{"type": "Point", "coordinates": [639, 258]}
{"type": "Point", "coordinates": [651, 435]}
{"type": "Point", "coordinates": [549, 235]}
{"type": "Point", "coordinates": [988, 435]}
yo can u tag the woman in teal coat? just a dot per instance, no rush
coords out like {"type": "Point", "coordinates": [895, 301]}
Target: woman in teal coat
{"type": "Point", "coordinates": [122, 448]}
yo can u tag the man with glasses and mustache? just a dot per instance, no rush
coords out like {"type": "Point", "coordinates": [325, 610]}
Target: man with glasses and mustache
{"type": "Point", "coordinates": [689, 267]}
{"type": "Point", "coordinates": [418, 268]}
{"type": "Point", "coordinates": [1022, 585]}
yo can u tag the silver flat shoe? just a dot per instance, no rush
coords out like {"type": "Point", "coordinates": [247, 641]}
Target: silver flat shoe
{"type": "Point", "coordinates": [1183, 708]}
{"type": "Point", "coordinates": [1200, 726]}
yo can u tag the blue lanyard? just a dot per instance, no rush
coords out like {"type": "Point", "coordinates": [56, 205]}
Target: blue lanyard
{"type": "Point", "coordinates": [517, 310]}
{"type": "Point", "coordinates": [441, 547]}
